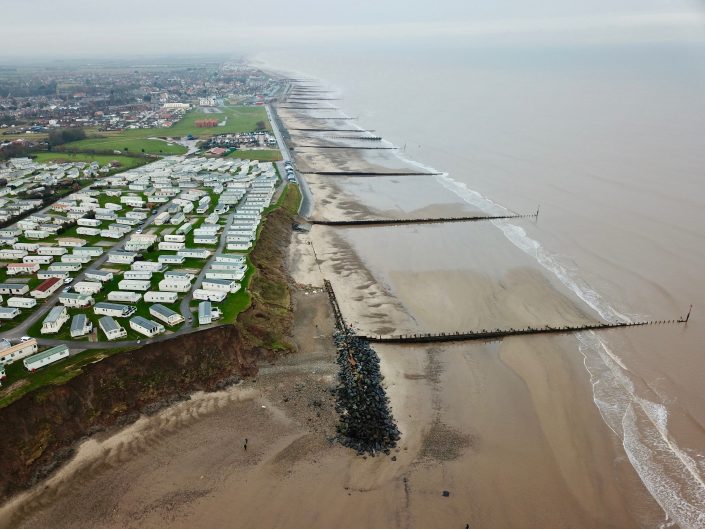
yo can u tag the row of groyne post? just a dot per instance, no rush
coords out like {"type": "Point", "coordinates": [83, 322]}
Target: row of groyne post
{"type": "Point", "coordinates": [494, 334]}
{"type": "Point", "coordinates": [366, 421]}
{"type": "Point", "coordinates": [367, 173]}
{"type": "Point", "coordinates": [430, 220]}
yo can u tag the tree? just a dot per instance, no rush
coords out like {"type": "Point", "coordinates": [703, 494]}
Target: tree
{"type": "Point", "coordinates": [261, 125]}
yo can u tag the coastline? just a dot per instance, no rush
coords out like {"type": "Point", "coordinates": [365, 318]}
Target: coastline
{"type": "Point", "coordinates": [509, 429]}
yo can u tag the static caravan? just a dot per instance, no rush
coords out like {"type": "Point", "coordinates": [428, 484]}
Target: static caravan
{"type": "Point", "coordinates": [165, 314]}
{"type": "Point", "coordinates": [124, 295]}
{"type": "Point", "coordinates": [172, 237]}
{"type": "Point", "coordinates": [184, 228]}
{"type": "Point", "coordinates": [171, 274]}
{"type": "Point", "coordinates": [171, 246]}
{"type": "Point", "coordinates": [152, 266]}
{"type": "Point", "coordinates": [92, 251]}
{"type": "Point", "coordinates": [46, 274]}
{"type": "Point", "coordinates": [55, 320]}
{"type": "Point", "coordinates": [156, 296]}
{"type": "Point", "coordinates": [71, 258]}
{"type": "Point", "coordinates": [80, 326]}
{"type": "Point", "coordinates": [99, 275]}
{"type": "Point", "coordinates": [194, 253]}
{"type": "Point", "coordinates": [171, 259]}
{"type": "Point", "coordinates": [88, 223]}
{"type": "Point", "coordinates": [230, 267]}
{"type": "Point", "coordinates": [36, 234]}
{"type": "Point", "coordinates": [9, 313]}
{"type": "Point", "coordinates": [134, 284]}
{"type": "Point", "coordinates": [12, 353]}
{"type": "Point", "coordinates": [115, 310]}
{"type": "Point", "coordinates": [147, 327]}
{"type": "Point", "coordinates": [85, 230]}
{"type": "Point", "coordinates": [22, 268]}
{"type": "Point", "coordinates": [205, 313]}
{"type": "Point", "coordinates": [205, 239]}
{"type": "Point", "coordinates": [112, 329]}
{"type": "Point", "coordinates": [64, 267]}
{"type": "Point", "coordinates": [238, 246]}
{"type": "Point", "coordinates": [75, 300]}
{"type": "Point", "coordinates": [111, 234]}
{"type": "Point", "coordinates": [88, 287]}
{"type": "Point", "coordinates": [174, 285]}
{"type": "Point", "coordinates": [121, 257]}
{"type": "Point", "coordinates": [47, 287]}
{"type": "Point", "coordinates": [21, 303]}
{"type": "Point", "coordinates": [209, 295]}
{"type": "Point", "coordinates": [12, 255]}
{"type": "Point", "coordinates": [223, 285]}
{"type": "Point", "coordinates": [230, 258]}
{"type": "Point", "coordinates": [40, 259]}
{"type": "Point", "coordinates": [233, 275]}
{"type": "Point", "coordinates": [34, 362]}
{"type": "Point", "coordinates": [27, 246]}
{"type": "Point", "coordinates": [51, 250]}
{"type": "Point", "coordinates": [14, 289]}
{"type": "Point", "coordinates": [162, 218]}
{"type": "Point", "coordinates": [71, 242]}
{"type": "Point", "coordinates": [142, 275]}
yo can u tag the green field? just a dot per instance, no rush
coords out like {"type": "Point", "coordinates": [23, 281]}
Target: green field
{"type": "Point", "coordinates": [262, 155]}
{"type": "Point", "coordinates": [135, 145]}
{"type": "Point", "coordinates": [127, 162]}
{"type": "Point", "coordinates": [239, 119]}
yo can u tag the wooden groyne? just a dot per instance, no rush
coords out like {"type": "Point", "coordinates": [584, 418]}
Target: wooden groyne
{"type": "Point", "coordinates": [439, 220]}
{"type": "Point", "coordinates": [495, 334]}
{"type": "Point", "coordinates": [485, 334]}
{"type": "Point", "coordinates": [326, 130]}
{"type": "Point", "coordinates": [365, 173]}
{"type": "Point", "coordinates": [372, 138]}
{"type": "Point", "coordinates": [346, 147]}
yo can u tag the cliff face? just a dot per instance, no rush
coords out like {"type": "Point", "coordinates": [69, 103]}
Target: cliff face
{"type": "Point", "coordinates": [40, 429]}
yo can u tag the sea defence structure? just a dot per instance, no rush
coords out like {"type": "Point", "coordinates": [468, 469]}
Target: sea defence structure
{"type": "Point", "coordinates": [366, 421]}
{"type": "Point", "coordinates": [488, 334]}
{"type": "Point", "coordinates": [437, 220]}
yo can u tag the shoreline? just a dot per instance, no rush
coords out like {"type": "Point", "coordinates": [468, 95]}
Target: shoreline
{"type": "Point", "coordinates": [508, 428]}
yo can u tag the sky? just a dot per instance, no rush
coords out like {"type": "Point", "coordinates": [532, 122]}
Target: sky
{"type": "Point", "coordinates": [87, 28]}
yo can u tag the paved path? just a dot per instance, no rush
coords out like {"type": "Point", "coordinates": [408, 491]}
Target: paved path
{"type": "Point", "coordinates": [306, 205]}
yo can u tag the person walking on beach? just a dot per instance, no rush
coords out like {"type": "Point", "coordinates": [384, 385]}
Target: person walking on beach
{"type": "Point", "coordinates": [245, 444]}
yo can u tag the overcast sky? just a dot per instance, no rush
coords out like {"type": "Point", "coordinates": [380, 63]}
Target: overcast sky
{"type": "Point", "coordinates": [75, 28]}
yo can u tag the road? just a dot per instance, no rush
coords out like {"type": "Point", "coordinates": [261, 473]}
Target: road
{"type": "Point", "coordinates": [306, 205]}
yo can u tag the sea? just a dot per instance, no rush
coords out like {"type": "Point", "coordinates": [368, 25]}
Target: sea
{"type": "Point", "coordinates": [608, 143]}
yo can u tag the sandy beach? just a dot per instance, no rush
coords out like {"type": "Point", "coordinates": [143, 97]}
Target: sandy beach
{"type": "Point", "coordinates": [508, 429]}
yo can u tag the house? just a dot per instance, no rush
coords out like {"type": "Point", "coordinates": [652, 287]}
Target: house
{"type": "Point", "coordinates": [88, 287]}
{"type": "Point", "coordinates": [21, 303]}
{"type": "Point", "coordinates": [47, 287]}
{"type": "Point", "coordinates": [112, 329]}
{"type": "Point", "coordinates": [22, 268]}
{"type": "Point", "coordinates": [55, 320]}
{"type": "Point", "coordinates": [174, 285]}
{"type": "Point", "coordinates": [156, 296]}
{"type": "Point", "coordinates": [11, 353]}
{"type": "Point", "coordinates": [209, 295]}
{"type": "Point", "coordinates": [115, 310]}
{"type": "Point", "coordinates": [147, 327]}
{"type": "Point", "coordinates": [124, 295]}
{"type": "Point", "coordinates": [205, 313]}
{"type": "Point", "coordinates": [9, 313]}
{"type": "Point", "coordinates": [80, 326]}
{"type": "Point", "coordinates": [165, 314]}
{"type": "Point", "coordinates": [223, 285]}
